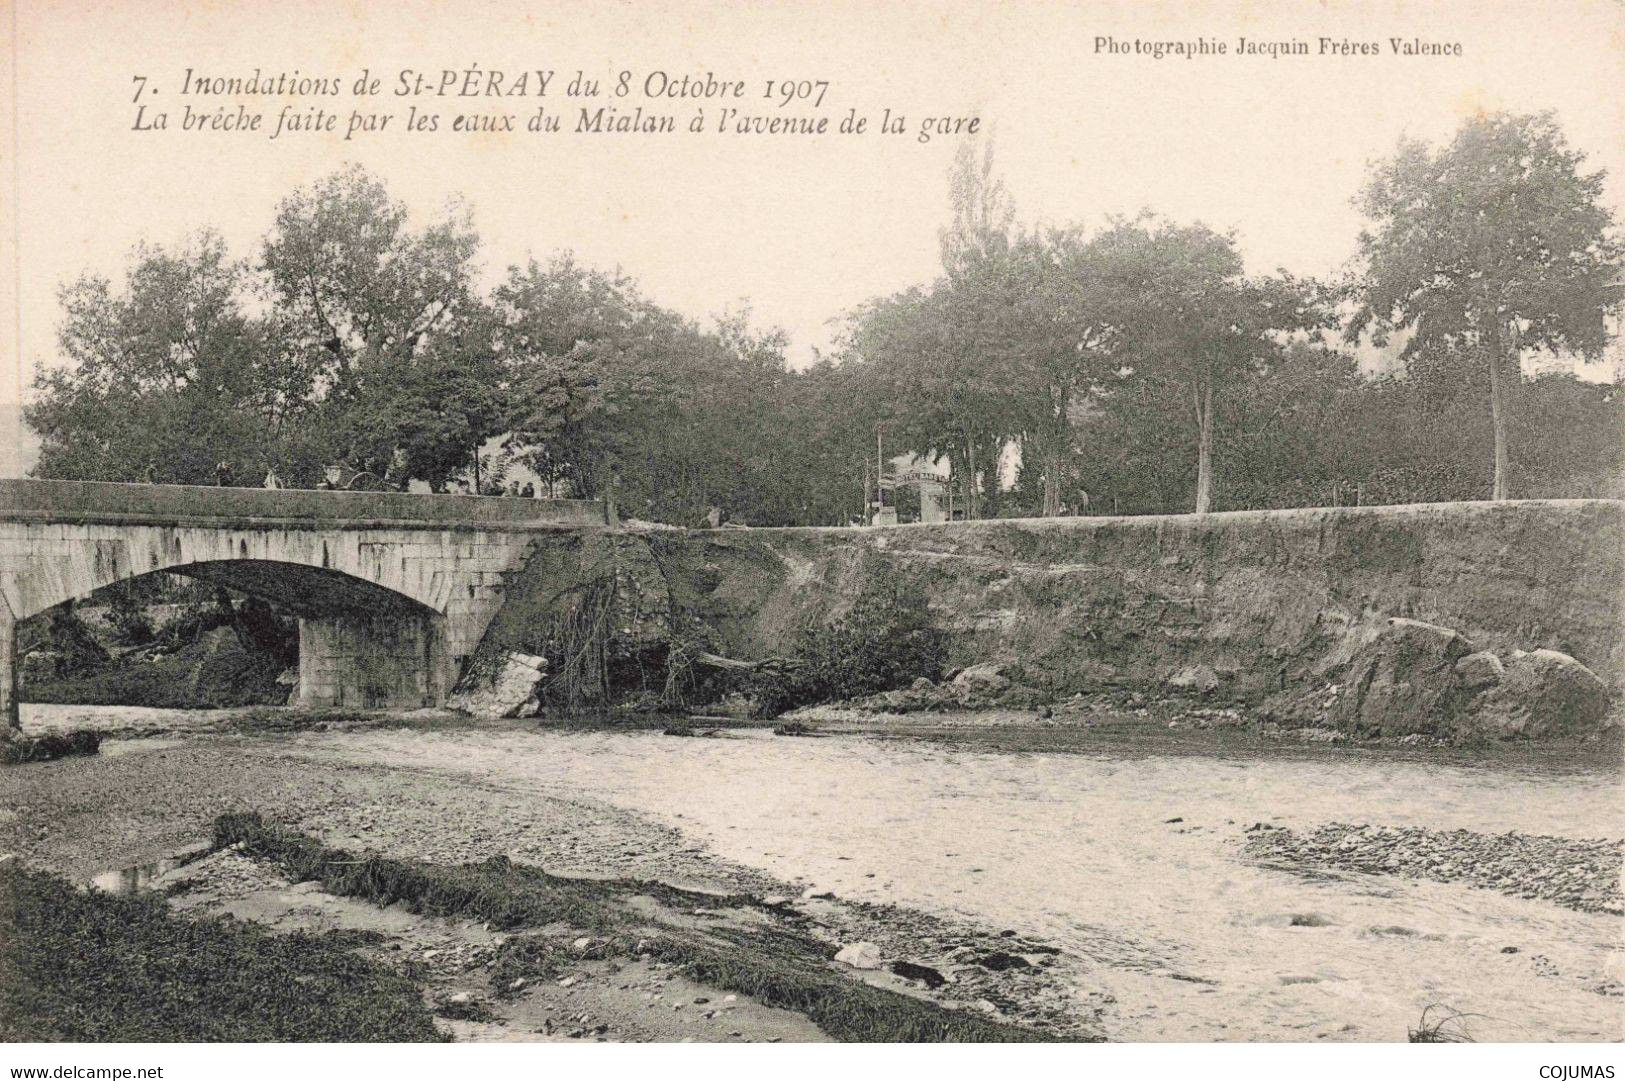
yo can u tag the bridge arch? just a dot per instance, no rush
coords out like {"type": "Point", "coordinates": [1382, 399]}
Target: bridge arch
{"type": "Point", "coordinates": [393, 591]}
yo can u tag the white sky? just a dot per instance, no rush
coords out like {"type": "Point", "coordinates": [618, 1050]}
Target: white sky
{"type": "Point", "coordinates": [802, 229]}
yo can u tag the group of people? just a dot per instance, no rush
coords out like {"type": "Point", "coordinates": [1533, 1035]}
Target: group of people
{"type": "Point", "coordinates": [333, 480]}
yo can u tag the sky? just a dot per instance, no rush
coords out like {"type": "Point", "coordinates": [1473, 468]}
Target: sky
{"type": "Point", "coordinates": [801, 229]}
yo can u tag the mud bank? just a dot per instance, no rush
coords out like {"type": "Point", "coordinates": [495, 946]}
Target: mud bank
{"type": "Point", "coordinates": [728, 953]}
{"type": "Point", "coordinates": [1229, 607]}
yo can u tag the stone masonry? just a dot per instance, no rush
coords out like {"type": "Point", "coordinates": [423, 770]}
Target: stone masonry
{"type": "Point", "coordinates": [393, 592]}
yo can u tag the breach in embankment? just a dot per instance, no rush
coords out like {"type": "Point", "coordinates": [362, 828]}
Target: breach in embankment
{"type": "Point", "coordinates": [1442, 620]}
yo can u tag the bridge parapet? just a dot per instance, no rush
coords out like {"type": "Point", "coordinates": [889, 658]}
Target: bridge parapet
{"type": "Point", "coordinates": [101, 502]}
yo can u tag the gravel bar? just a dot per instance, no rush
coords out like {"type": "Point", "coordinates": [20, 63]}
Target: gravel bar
{"type": "Point", "coordinates": [1578, 874]}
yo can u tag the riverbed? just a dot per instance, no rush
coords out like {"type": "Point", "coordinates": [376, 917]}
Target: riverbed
{"type": "Point", "coordinates": [1128, 859]}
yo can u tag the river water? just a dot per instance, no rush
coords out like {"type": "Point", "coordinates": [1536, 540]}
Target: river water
{"type": "Point", "coordinates": [1192, 940]}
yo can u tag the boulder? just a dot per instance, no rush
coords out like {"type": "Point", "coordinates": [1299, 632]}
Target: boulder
{"type": "Point", "coordinates": [1198, 678]}
{"type": "Point", "coordinates": [1479, 671]}
{"type": "Point", "coordinates": [860, 955]}
{"type": "Point", "coordinates": [1403, 681]}
{"type": "Point", "coordinates": [980, 684]}
{"type": "Point", "coordinates": [919, 973]}
{"type": "Point", "coordinates": [512, 690]}
{"type": "Point", "coordinates": [1542, 692]}
{"type": "Point", "coordinates": [40, 666]}
{"type": "Point", "coordinates": [1000, 961]}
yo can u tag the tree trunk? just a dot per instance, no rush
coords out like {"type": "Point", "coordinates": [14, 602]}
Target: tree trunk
{"type": "Point", "coordinates": [1498, 413]}
{"type": "Point", "coordinates": [991, 491]}
{"type": "Point", "coordinates": [1052, 460]}
{"type": "Point", "coordinates": [972, 501]}
{"type": "Point", "coordinates": [1055, 453]}
{"type": "Point", "coordinates": [1204, 450]}
{"type": "Point", "coordinates": [10, 719]}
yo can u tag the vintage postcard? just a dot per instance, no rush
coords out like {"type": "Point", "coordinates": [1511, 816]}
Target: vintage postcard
{"type": "Point", "coordinates": [623, 523]}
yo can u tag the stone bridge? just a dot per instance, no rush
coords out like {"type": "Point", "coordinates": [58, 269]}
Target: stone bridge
{"type": "Point", "coordinates": [392, 591]}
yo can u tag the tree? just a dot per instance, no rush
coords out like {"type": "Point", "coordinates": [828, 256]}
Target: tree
{"type": "Point", "coordinates": [982, 212]}
{"type": "Point", "coordinates": [975, 304]}
{"type": "Point", "coordinates": [1198, 324]}
{"type": "Point", "coordinates": [583, 351]}
{"type": "Point", "coordinates": [1071, 319]}
{"type": "Point", "coordinates": [426, 416]}
{"type": "Point", "coordinates": [609, 388]}
{"type": "Point", "coordinates": [1489, 246]}
{"type": "Point", "coordinates": [166, 377]}
{"type": "Point", "coordinates": [362, 301]}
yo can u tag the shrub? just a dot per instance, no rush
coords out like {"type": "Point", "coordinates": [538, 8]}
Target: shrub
{"type": "Point", "coordinates": [886, 642]}
{"type": "Point", "coordinates": [49, 747]}
{"type": "Point", "coordinates": [127, 614]}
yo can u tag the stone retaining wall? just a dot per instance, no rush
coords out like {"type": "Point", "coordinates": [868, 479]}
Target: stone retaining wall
{"type": "Point", "coordinates": [1262, 599]}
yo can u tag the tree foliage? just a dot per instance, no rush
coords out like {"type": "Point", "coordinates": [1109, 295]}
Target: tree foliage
{"type": "Point", "coordinates": [1135, 367]}
{"type": "Point", "coordinates": [1492, 245]}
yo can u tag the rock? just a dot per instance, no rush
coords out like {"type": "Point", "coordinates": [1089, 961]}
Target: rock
{"type": "Point", "coordinates": [999, 961]}
{"type": "Point", "coordinates": [922, 684]}
{"type": "Point", "coordinates": [460, 998]}
{"type": "Point", "coordinates": [1542, 692]}
{"type": "Point", "coordinates": [864, 955]}
{"type": "Point", "coordinates": [1195, 677]}
{"type": "Point", "coordinates": [40, 666]}
{"type": "Point", "coordinates": [1476, 671]}
{"type": "Point", "coordinates": [510, 690]}
{"type": "Point", "coordinates": [981, 680]}
{"type": "Point", "coordinates": [920, 973]}
{"type": "Point", "coordinates": [1403, 681]}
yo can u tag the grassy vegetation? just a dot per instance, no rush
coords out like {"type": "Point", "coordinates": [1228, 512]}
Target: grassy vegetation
{"type": "Point", "coordinates": [1441, 1024]}
{"type": "Point", "coordinates": [497, 891]}
{"type": "Point", "coordinates": [845, 1009]}
{"type": "Point", "coordinates": [290, 719]}
{"type": "Point", "coordinates": [77, 966]}
{"type": "Point", "coordinates": [19, 749]}
{"type": "Point", "coordinates": [779, 968]}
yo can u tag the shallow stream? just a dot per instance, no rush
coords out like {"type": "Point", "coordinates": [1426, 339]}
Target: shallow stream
{"type": "Point", "coordinates": [1130, 859]}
